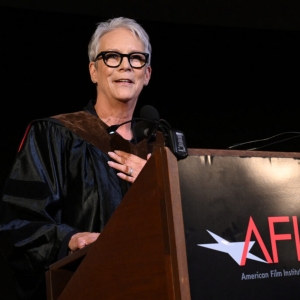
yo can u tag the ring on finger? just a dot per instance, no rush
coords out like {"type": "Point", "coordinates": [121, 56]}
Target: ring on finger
{"type": "Point", "coordinates": [130, 171]}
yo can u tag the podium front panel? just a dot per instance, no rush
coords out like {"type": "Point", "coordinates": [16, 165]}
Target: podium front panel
{"type": "Point", "coordinates": [241, 221]}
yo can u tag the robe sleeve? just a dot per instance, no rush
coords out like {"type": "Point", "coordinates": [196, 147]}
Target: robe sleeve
{"type": "Point", "coordinates": [31, 228]}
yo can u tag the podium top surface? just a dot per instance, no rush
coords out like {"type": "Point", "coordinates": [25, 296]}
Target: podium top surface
{"type": "Point", "coordinates": [244, 153]}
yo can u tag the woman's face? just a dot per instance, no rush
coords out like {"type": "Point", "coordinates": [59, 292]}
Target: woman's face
{"type": "Point", "coordinates": [123, 83]}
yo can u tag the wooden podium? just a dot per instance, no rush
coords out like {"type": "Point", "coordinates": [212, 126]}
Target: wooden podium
{"type": "Point", "coordinates": [141, 253]}
{"type": "Point", "coordinates": [170, 238]}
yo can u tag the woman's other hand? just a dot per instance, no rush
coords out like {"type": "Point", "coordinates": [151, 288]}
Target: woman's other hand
{"type": "Point", "coordinates": [82, 239]}
{"type": "Point", "coordinates": [128, 164]}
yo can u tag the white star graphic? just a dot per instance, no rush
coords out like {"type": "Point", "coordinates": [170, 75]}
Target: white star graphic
{"type": "Point", "coordinates": [235, 249]}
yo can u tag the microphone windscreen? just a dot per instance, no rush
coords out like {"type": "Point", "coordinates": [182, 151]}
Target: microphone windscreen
{"type": "Point", "coordinates": [140, 130]}
{"type": "Point", "coordinates": [149, 112]}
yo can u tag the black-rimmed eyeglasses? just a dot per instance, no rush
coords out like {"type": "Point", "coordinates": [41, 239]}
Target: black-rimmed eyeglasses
{"type": "Point", "coordinates": [114, 59]}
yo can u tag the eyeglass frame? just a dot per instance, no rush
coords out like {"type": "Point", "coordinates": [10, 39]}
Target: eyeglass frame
{"type": "Point", "coordinates": [103, 53]}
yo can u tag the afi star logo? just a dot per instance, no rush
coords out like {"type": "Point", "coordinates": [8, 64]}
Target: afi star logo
{"type": "Point", "coordinates": [239, 251]}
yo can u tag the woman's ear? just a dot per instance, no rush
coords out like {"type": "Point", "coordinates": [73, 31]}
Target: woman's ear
{"type": "Point", "coordinates": [147, 75]}
{"type": "Point", "coordinates": [93, 72]}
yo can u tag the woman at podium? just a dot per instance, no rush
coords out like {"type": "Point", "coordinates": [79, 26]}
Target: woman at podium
{"type": "Point", "coordinates": [70, 174]}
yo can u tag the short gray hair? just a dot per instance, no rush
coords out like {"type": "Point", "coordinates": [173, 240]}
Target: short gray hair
{"type": "Point", "coordinates": [112, 24]}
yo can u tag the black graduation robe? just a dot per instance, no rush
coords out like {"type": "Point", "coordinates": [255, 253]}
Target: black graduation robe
{"type": "Point", "coordinates": [60, 183]}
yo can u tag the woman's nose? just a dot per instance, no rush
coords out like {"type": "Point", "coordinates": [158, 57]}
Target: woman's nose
{"type": "Point", "coordinates": [125, 63]}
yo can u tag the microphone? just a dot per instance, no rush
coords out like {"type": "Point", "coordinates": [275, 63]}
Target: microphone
{"type": "Point", "coordinates": [141, 130]}
{"type": "Point", "coordinates": [174, 138]}
{"type": "Point", "coordinates": [148, 126]}
{"type": "Point", "coordinates": [151, 117]}
{"type": "Point", "coordinates": [150, 122]}
{"type": "Point", "coordinates": [148, 112]}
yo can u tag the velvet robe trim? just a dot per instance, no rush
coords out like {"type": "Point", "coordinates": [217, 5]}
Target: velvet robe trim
{"type": "Point", "coordinates": [93, 130]}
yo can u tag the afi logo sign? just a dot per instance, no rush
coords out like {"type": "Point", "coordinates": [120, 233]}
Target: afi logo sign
{"type": "Point", "coordinates": [239, 251]}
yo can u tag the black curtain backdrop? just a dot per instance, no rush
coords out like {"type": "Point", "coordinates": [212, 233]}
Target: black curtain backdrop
{"type": "Point", "coordinates": [220, 85]}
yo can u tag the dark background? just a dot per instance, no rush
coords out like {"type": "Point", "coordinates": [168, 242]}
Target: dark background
{"type": "Point", "coordinates": [224, 73]}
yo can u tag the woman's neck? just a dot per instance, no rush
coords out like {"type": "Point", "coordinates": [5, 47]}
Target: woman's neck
{"type": "Point", "coordinates": [116, 115]}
